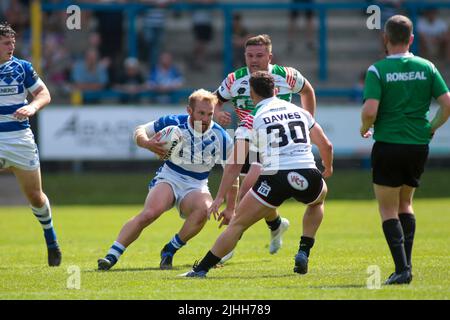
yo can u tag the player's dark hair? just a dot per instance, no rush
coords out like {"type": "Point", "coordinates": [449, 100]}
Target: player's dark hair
{"type": "Point", "coordinates": [6, 30]}
{"type": "Point", "coordinates": [260, 40]}
{"type": "Point", "coordinates": [263, 84]}
{"type": "Point", "coordinates": [398, 29]}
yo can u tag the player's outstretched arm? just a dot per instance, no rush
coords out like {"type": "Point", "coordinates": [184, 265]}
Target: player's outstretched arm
{"type": "Point", "coordinates": [368, 116]}
{"type": "Point", "coordinates": [230, 173]}
{"type": "Point", "coordinates": [41, 97]}
{"type": "Point", "coordinates": [443, 113]}
{"type": "Point", "coordinates": [308, 98]}
{"type": "Point", "coordinates": [226, 215]}
{"type": "Point", "coordinates": [319, 138]}
{"type": "Point", "coordinates": [220, 116]}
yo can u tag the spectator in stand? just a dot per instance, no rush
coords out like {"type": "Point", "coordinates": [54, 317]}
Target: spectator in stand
{"type": "Point", "coordinates": [240, 36]}
{"type": "Point", "coordinates": [56, 62]}
{"type": "Point", "coordinates": [292, 28]}
{"type": "Point", "coordinates": [165, 78]}
{"type": "Point", "coordinates": [434, 36]}
{"type": "Point", "coordinates": [131, 81]}
{"type": "Point", "coordinates": [202, 24]}
{"type": "Point", "coordinates": [90, 74]}
{"type": "Point", "coordinates": [153, 27]}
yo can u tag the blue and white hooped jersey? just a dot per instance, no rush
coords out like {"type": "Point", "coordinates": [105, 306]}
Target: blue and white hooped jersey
{"type": "Point", "coordinates": [17, 78]}
{"type": "Point", "coordinates": [200, 152]}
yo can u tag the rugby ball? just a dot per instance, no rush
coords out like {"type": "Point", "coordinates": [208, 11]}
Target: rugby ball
{"type": "Point", "coordinates": [172, 136]}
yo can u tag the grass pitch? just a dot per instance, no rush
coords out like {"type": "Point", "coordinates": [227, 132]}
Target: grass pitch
{"type": "Point", "coordinates": [349, 241]}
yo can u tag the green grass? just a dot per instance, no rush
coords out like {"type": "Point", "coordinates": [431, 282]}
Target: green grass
{"type": "Point", "coordinates": [66, 188]}
{"type": "Point", "coordinates": [349, 240]}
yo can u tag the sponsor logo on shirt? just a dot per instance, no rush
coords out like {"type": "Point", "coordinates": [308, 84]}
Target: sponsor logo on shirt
{"type": "Point", "coordinates": [405, 76]}
{"type": "Point", "coordinates": [8, 90]}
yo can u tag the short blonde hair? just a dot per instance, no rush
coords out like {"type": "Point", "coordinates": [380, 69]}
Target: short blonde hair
{"type": "Point", "coordinates": [260, 40]}
{"type": "Point", "coordinates": [202, 95]}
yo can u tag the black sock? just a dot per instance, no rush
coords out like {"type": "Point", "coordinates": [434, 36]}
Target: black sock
{"type": "Point", "coordinates": [274, 224]}
{"type": "Point", "coordinates": [394, 236]}
{"type": "Point", "coordinates": [209, 261]}
{"type": "Point", "coordinates": [306, 244]}
{"type": "Point", "coordinates": [408, 221]}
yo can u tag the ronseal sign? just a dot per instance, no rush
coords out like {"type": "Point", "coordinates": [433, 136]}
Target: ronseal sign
{"type": "Point", "coordinates": [106, 133]}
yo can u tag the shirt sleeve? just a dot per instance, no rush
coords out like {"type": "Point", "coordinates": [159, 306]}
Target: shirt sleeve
{"type": "Point", "coordinates": [245, 129]}
{"type": "Point", "coordinates": [309, 118]}
{"type": "Point", "coordinates": [439, 86]}
{"type": "Point", "coordinates": [32, 80]}
{"type": "Point", "coordinates": [372, 84]}
{"type": "Point", "coordinates": [295, 79]}
{"type": "Point", "coordinates": [161, 123]}
{"type": "Point", "coordinates": [224, 91]}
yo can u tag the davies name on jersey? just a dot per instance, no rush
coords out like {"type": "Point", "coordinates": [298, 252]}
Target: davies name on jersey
{"type": "Point", "coordinates": [282, 116]}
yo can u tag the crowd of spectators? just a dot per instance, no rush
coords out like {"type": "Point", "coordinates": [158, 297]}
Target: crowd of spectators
{"type": "Point", "coordinates": [95, 58]}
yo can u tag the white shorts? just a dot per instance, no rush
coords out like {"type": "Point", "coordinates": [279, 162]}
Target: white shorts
{"type": "Point", "coordinates": [181, 184]}
{"type": "Point", "coordinates": [18, 149]}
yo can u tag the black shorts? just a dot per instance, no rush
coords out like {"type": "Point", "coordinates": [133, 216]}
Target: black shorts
{"type": "Point", "coordinates": [308, 12]}
{"type": "Point", "coordinates": [304, 185]}
{"type": "Point", "coordinates": [252, 156]}
{"type": "Point", "coordinates": [394, 165]}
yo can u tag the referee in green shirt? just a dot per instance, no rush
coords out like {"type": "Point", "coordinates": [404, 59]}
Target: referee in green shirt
{"type": "Point", "coordinates": [397, 97]}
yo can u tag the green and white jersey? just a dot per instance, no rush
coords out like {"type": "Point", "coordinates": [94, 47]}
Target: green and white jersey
{"type": "Point", "coordinates": [280, 132]}
{"type": "Point", "coordinates": [236, 87]}
{"type": "Point", "coordinates": [404, 85]}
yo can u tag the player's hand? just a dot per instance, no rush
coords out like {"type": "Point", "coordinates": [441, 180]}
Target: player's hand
{"type": "Point", "coordinates": [155, 146]}
{"type": "Point", "coordinates": [223, 118]}
{"type": "Point", "coordinates": [25, 112]}
{"type": "Point", "coordinates": [327, 172]}
{"type": "Point", "coordinates": [214, 208]}
{"type": "Point", "coordinates": [366, 133]}
{"type": "Point", "coordinates": [226, 216]}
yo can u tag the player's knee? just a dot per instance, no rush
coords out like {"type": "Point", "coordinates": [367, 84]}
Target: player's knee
{"type": "Point", "coordinates": [36, 198]}
{"type": "Point", "coordinates": [405, 206]}
{"type": "Point", "coordinates": [199, 217]}
{"type": "Point", "coordinates": [147, 216]}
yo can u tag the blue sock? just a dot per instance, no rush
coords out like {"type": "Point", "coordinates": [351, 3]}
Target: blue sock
{"type": "Point", "coordinates": [174, 244]}
{"type": "Point", "coordinates": [44, 216]}
{"type": "Point", "coordinates": [114, 253]}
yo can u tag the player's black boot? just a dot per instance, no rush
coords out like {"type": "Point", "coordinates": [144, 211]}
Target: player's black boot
{"type": "Point", "coordinates": [166, 260]}
{"type": "Point", "coordinates": [107, 262]}
{"type": "Point", "coordinates": [54, 256]}
{"type": "Point", "coordinates": [301, 263]}
{"type": "Point", "coordinates": [404, 277]}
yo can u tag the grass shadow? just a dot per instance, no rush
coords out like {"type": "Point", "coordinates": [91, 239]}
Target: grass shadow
{"type": "Point", "coordinates": [343, 286]}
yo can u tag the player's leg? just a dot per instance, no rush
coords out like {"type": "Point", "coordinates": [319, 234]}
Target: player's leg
{"type": "Point", "coordinates": [249, 211]}
{"type": "Point", "coordinates": [274, 221]}
{"type": "Point", "coordinates": [390, 164]}
{"type": "Point", "coordinates": [31, 185]}
{"type": "Point", "coordinates": [311, 222]}
{"type": "Point", "coordinates": [388, 204]}
{"type": "Point", "coordinates": [194, 208]}
{"type": "Point", "coordinates": [407, 219]}
{"type": "Point", "coordinates": [159, 199]}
